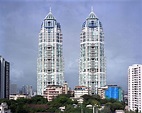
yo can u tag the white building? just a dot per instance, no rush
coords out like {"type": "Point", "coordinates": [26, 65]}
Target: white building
{"type": "Point", "coordinates": [119, 111]}
{"type": "Point", "coordinates": [80, 91]}
{"type": "Point", "coordinates": [50, 55]}
{"type": "Point", "coordinates": [92, 68]}
{"type": "Point", "coordinates": [135, 87]}
{"type": "Point", "coordinates": [101, 92]}
{"type": "Point", "coordinates": [17, 96]}
{"type": "Point", "coordinates": [4, 108]}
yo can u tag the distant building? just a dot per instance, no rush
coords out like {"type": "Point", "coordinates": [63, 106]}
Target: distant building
{"type": "Point", "coordinates": [4, 78]}
{"type": "Point", "coordinates": [80, 91]}
{"type": "Point", "coordinates": [50, 66]}
{"type": "Point", "coordinates": [27, 90]}
{"type": "Point", "coordinates": [92, 66]}
{"type": "Point", "coordinates": [17, 96]}
{"type": "Point", "coordinates": [13, 88]}
{"type": "Point", "coordinates": [53, 91]}
{"type": "Point", "coordinates": [135, 87]}
{"type": "Point", "coordinates": [4, 108]}
{"type": "Point", "coordinates": [65, 88]}
{"type": "Point", "coordinates": [126, 98]}
{"type": "Point", "coordinates": [114, 92]}
{"type": "Point", "coordinates": [101, 92]}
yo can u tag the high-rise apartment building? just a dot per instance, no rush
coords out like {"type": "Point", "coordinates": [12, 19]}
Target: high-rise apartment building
{"type": "Point", "coordinates": [4, 78]}
{"type": "Point", "coordinates": [50, 55]}
{"type": "Point", "coordinates": [135, 87]}
{"type": "Point", "coordinates": [92, 69]}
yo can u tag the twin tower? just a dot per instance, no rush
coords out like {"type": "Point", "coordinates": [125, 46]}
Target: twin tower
{"type": "Point", "coordinates": [50, 64]}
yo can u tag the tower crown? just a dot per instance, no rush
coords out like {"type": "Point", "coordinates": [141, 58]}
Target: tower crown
{"type": "Point", "coordinates": [50, 16]}
{"type": "Point", "coordinates": [92, 21]}
{"type": "Point", "coordinates": [92, 14]}
{"type": "Point", "coordinates": [49, 21]}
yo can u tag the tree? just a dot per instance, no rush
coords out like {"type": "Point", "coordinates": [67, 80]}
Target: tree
{"type": "Point", "coordinates": [38, 99]}
{"type": "Point", "coordinates": [106, 110]}
{"type": "Point", "coordinates": [59, 101]}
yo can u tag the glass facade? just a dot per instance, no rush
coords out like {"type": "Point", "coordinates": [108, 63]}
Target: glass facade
{"type": "Point", "coordinates": [50, 55]}
{"type": "Point", "coordinates": [92, 69]}
{"type": "Point", "coordinates": [112, 92]}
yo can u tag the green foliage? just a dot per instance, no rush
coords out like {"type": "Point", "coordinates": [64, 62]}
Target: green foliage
{"type": "Point", "coordinates": [21, 105]}
{"type": "Point", "coordinates": [59, 101]}
{"type": "Point", "coordinates": [40, 104]}
{"type": "Point", "coordinates": [38, 100]}
{"type": "Point", "coordinates": [106, 110]}
{"type": "Point", "coordinates": [130, 112]}
{"type": "Point", "coordinates": [110, 104]}
{"type": "Point", "coordinates": [71, 109]}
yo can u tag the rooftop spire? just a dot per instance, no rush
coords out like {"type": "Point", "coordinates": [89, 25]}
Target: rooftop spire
{"type": "Point", "coordinates": [49, 16]}
{"type": "Point", "coordinates": [92, 9]}
{"type": "Point", "coordinates": [92, 14]}
{"type": "Point", "coordinates": [50, 9]}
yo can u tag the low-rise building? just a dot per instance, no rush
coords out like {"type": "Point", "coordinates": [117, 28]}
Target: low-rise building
{"type": "Point", "coordinates": [119, 111]}
{"type": "Point", "coordinates": [17, 96]}
{"type": "Point", "coordinates": [65, 88]}
{"type": "Point", "coordinates": [111, 91]}
{"type": "Point", "coordinates": [101, 92]}
{"type": "Point", "coordinates": [114, 92]}
{"type": "Point", "coordinates": [80, 91]}
{"type": "Point", "coordinates": [53, 91]}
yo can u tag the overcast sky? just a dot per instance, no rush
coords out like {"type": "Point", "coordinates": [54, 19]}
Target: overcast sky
{"type": "Point", "coordinates": [20, 23]}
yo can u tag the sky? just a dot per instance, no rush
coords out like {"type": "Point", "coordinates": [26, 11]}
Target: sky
{"type": "Point", "coordinates": [20, 23]}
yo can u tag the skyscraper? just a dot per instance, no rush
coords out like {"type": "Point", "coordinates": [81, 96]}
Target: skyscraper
{"type": "Point", "coordinates": [4, 78]}
{"type": "Point", "coordinates": [92, 69]}
{"type": "Point", "coordinates": [13, 89]}
{"type": "Point", "coordinates": [135, 87]}
{"type": "Point", "coordinates": [50, 54]}
{"type": "Point", "coordinates": [27, 90]}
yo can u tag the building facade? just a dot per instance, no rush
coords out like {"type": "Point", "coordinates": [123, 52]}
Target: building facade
{"type": "Point", "coordinates": [65, 88]}
{"type": "Point", "coordinates": [101, 92]}
{"type": "Point", "coordinates": [92, 68]}
{"type": "Point", "coordinates": [27, 90]}
{"type": "Point", "coordinates": [4, 78]}
{"type": "Point", "coordinates": [80, 91]}
{"type": "Point", "coordinates": [114, 92]}
{"type": "Point", "coordinates": [135, 87]}
{"type": "Point", "coordinates": [53, 91]}
{"type": "Point", "coordinates": [17, 96]}
{"type": "Point", "coordinates": [50, 55]}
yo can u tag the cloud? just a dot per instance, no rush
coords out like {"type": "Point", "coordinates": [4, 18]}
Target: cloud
{"type": "Point", "coordinates": [20, 25]}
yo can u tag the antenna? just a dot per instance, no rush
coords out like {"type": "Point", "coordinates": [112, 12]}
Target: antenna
{"type": "Point", "coordinates": [50, 9]}
{"type": "Point", "coordinates": [91, 8]}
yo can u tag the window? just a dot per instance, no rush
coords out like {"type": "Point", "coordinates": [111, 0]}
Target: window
{"type": "Point", "coordinates": [49, 23]}
{"type": "Point", "coordinates": [92, 23]}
